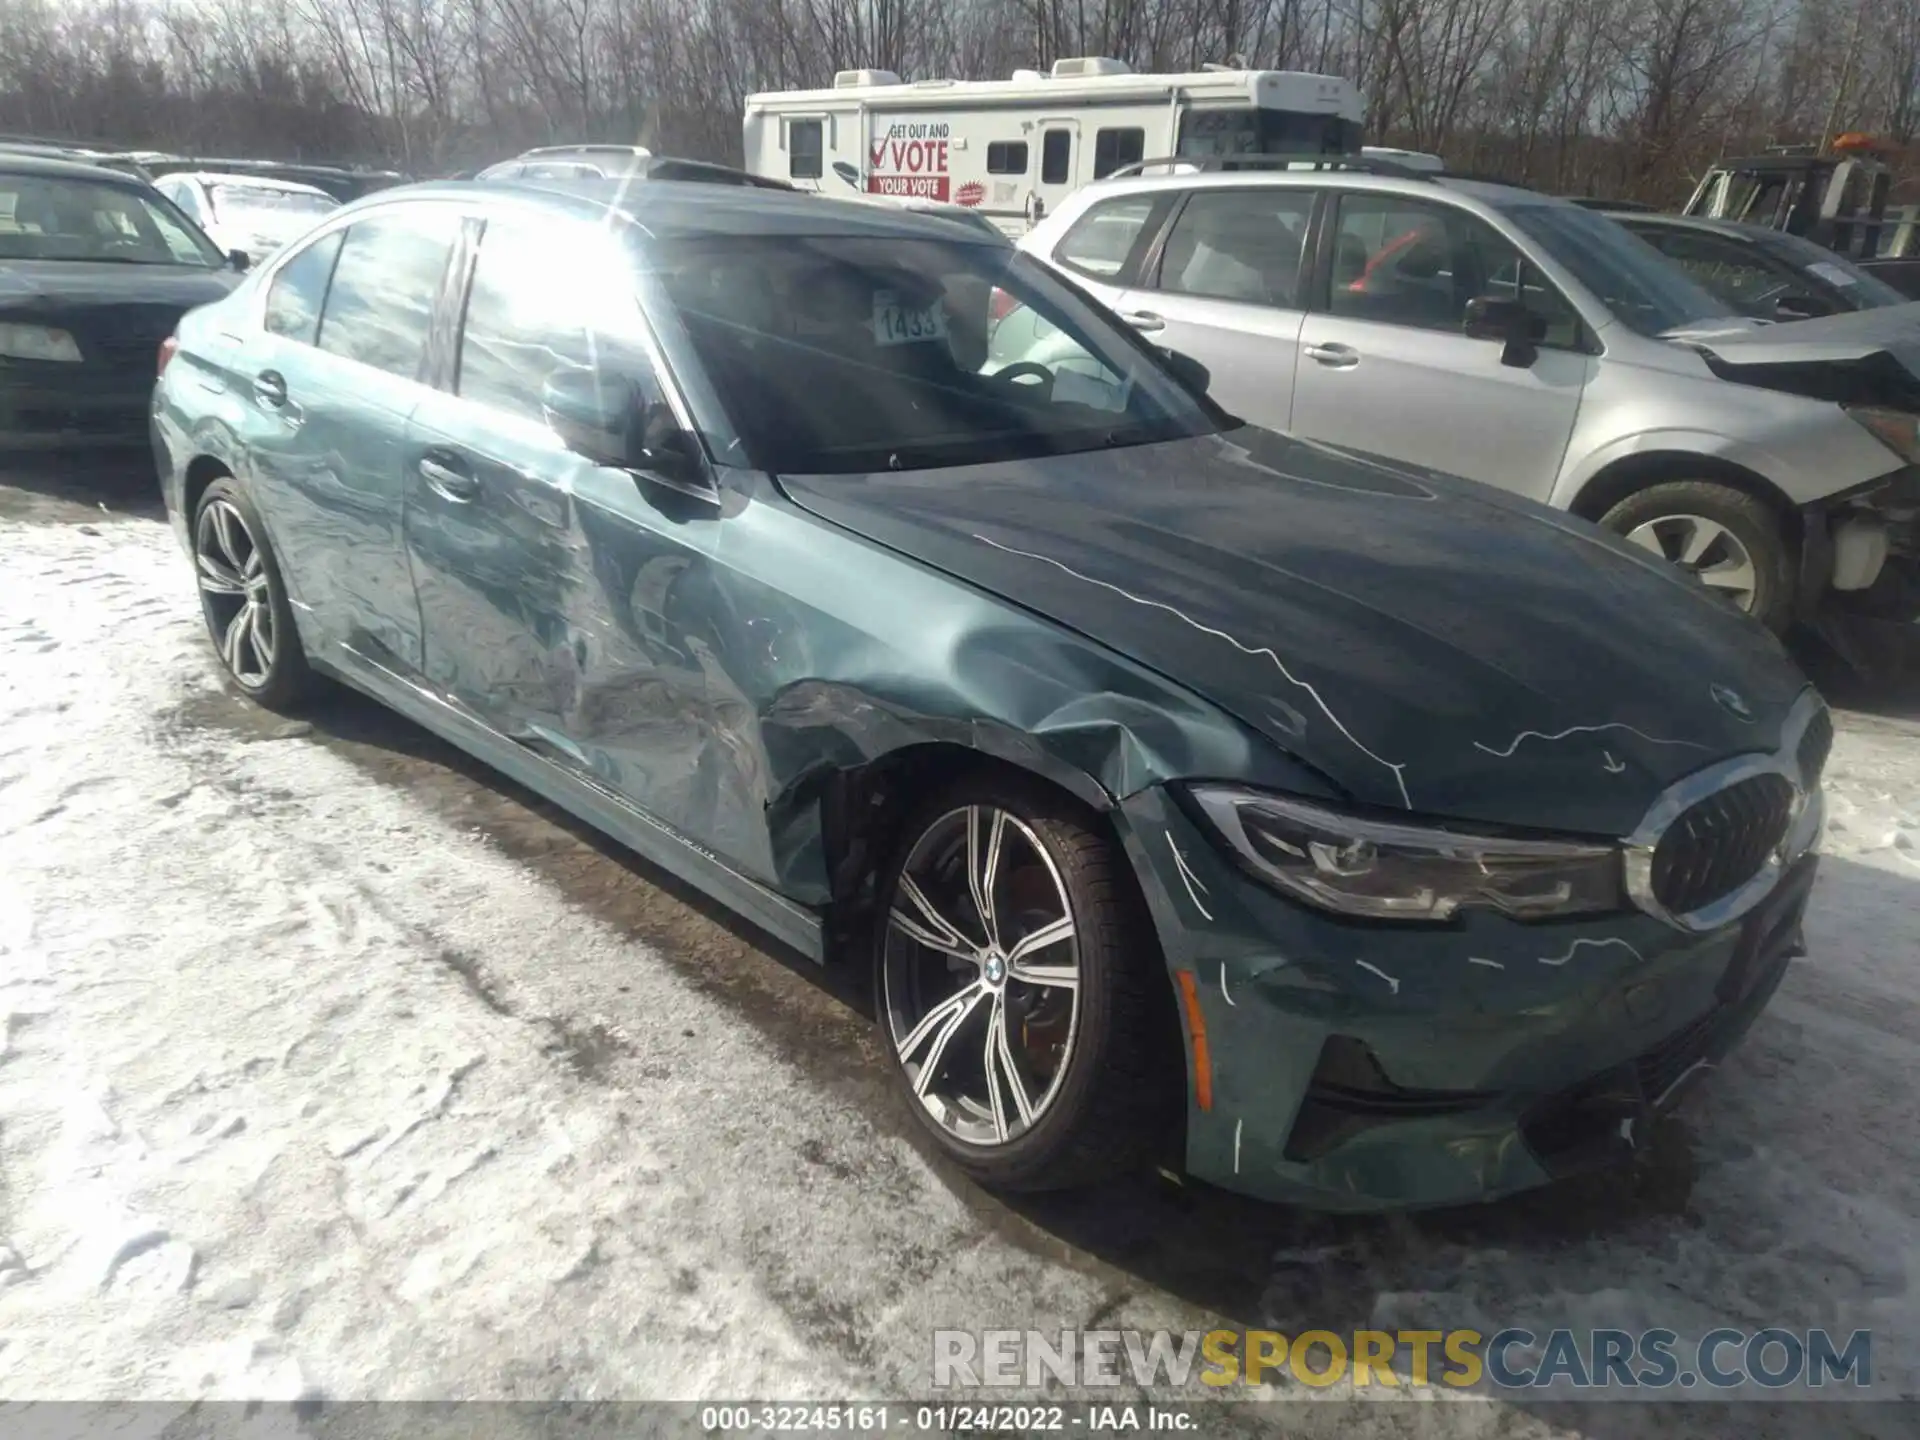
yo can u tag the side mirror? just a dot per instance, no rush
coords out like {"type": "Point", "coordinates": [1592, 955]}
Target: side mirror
{"type": "Point", "coordinates": [1800, 307]}
{"type": "Point", "coordinates": [240, 260]}
{"type": "Point", "coordinates": [847, 173]}
{"type": "Point", "coordinates": [1496, 317]}
{"type": "Point", "coordinates": [1187, 370]}
{"type": "Point", "coordinates": [607, 418]}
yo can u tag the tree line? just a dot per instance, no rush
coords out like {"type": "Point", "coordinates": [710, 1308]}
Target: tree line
{"type": "Point", "coordinates": [1624, 98]}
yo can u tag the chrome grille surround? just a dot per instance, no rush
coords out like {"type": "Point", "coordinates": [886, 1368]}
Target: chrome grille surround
{"type": "Point", "coordinates": [1804, 826]}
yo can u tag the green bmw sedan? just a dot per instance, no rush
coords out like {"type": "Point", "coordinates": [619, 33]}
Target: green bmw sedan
{"type": "Point", "coordinates": [1357, 836]}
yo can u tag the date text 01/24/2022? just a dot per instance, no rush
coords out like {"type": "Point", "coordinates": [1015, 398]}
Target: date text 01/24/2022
{"type": "Point", "coordinates": [879, 1418]}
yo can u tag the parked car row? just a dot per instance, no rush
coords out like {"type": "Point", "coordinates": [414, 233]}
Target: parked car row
{"type": "Point", "coordinates": [1346, 832]}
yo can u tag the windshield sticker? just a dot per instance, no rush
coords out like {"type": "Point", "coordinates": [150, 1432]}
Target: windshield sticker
{"type": "Point", "coordinates": [1832, 274]}
{"type": "Point", "coordinates": [896, 323]}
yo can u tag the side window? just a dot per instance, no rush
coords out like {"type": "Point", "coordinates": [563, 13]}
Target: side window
{"type": "Point", "coordinates": [385, 281]}
{"type": "Point", "coordinates": [1113, 149]}
{"type": "Point", "coordinates": [299, 289]}
{"type": "Point", "coordinates": [1100, 241]}
{"type": "Point", "coordinates": [1494, 267]}
{"type": "Point", "coordinates": [531, 323]}
{"type": "Point", "coordinates": [1407, 262]}
{"type": "Point", "coordinates": [1056, 157]}
{"type": "Point", "coordinates": [1240, 245]}
{"type": "Point", "coordinates": [806, 150]}
{"type": "Point", "coordinates": [1007, 157]}
{"type": "Point", "coordinates": [184, 247]}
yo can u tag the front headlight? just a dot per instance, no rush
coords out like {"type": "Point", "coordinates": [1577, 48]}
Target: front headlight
{"type": "Point", "coordinates": [1385, 870]}
{"type": "Point", "coordinates": [1895, 429]}
{"type": "Point", "coordinates": [38, 342]}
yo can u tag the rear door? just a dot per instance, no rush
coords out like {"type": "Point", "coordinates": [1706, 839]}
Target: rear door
{"type": "Point", "coordinates": [1226, 289]}
{"type": "Point", "coordinates": [1385, 365]}
{"type": "Point", "coordinates": [332, 391]}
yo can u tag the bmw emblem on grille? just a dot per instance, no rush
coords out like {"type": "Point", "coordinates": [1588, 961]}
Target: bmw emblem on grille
{"type": "Point", "coordinates": [1732, 701]}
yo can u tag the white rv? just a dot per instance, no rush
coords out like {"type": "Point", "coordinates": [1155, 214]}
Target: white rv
{"type": "Point", "coordinates": [1014, 148]}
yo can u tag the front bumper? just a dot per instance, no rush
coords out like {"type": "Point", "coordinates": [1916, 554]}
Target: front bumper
{"type": "Point", "coordinates": [71, 407]}
{"type": "Point", "coordinates": [1368, 1067]}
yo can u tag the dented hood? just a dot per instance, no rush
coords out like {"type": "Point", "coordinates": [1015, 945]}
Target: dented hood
{"type": "Point", "coordinates": [1425, 643]}
{"type": "Point", "coordinates": [1863, 357]}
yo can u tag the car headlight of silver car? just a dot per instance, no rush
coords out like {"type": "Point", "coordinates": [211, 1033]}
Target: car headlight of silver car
{"type": "Point", "coordinates": [1393, 870]}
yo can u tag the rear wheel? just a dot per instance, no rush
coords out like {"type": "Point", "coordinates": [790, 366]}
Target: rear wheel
{"type": "Point", "coordinates": [1728, 540]}
{"type": "Point", "coordinates": [1022, 992]}
{"type": "Point", "coordinates": [244, 600]}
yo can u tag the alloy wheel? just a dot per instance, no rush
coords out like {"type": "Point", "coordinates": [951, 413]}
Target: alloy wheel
{"type": "Point", "coordinates": [1705, 549]}
{"type": "Point", "coordinates": [981, 975]}
{"type": "Point", "coordinates": [235, 591]}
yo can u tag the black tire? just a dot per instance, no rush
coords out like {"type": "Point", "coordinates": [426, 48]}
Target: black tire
{"type": "Point", "coordinates": [1751, 521]}
{"type": "Point", "coordinates": [1119, 1095]}
{"type": "Point", "coordinates": [271, 667]}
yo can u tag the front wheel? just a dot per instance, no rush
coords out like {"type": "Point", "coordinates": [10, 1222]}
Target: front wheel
{"type": "Point", "coordinates": [1022, 993]}
{"type": "Point", "coordinates": [1728, 540]}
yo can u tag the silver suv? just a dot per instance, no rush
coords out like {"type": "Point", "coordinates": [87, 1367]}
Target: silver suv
{"type": "Point", "coordinates": [1529, 343]}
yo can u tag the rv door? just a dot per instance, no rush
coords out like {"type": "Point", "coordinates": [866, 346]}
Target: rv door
{"type": "Point", "coordinates": [1058, 168]}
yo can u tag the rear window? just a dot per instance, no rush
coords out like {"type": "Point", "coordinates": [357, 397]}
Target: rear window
{"type": "Point", "coordinates": [841, 355]}
{"type": "Point", "coordinates": [1099, 242]}
{"type": "Point", "coordinates": [268, 197]}
{"type": "Point", "coordinates": [54, 218]}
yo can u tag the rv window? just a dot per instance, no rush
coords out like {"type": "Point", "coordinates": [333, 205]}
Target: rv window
{"type": "Point", "coordinates": [1056, 155]}
{"type": "Point", "coordinates": [1007, 157]}
{"type": "Point", "coordinates": [1099, 244]}
{"type": "Point", "coordinates": [804, 150]}
{"type": "Point", "coordinates": [1244, 130]}
{"type": "Point", "coordinates": [1113, 149]}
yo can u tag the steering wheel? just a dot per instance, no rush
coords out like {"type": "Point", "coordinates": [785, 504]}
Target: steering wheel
{"type": "Point", "coordinates": [1019, 372]}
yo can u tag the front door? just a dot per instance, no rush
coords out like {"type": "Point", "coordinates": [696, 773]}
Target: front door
{"type": "Point", "coordinates": [1227, 292]}
{"type": "Point", "coordinates": [553, 587]}
{"type": "Point", "coordinates": [329, 403]}
{"type": "Point", "coordinates": [1385, 367]}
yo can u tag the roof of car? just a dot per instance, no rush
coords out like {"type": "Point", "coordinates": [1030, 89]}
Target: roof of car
{"type": "Point", "coordinates": [15, 162]}
{"type": "Point", "coordinates": [1411, 183]}
{"type": "Point", "coordinates": [677, 209]}
{"type": "Point", "coordinates": [257, 182]}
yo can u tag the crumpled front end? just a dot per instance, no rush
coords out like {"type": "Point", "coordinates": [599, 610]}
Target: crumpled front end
{"type": "Point", "coordinates": [1346, 1065]}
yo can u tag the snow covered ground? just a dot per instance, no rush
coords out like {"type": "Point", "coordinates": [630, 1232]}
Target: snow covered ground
{"type": "Point", "coordinates": [331, 1066]}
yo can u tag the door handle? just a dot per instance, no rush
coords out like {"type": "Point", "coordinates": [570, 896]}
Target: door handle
{"type": "Point", "coordinates": [1334, 357]}
{"type": "Point", "coordinates": [447, 481]}
{"type": "Point", "coordinates": [270, 388]}
{"type": "Point", "coordinates": [1145, 321]}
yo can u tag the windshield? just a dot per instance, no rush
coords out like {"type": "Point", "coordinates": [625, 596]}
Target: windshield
{"type": "Point", "coordinates": [54, 218]}
{"type": "Point", "coordinates": [839, 355]}
{"type": "Point", "coordinates": [1863, 289]}
{"type": "Point", "coordinates": [270, 202]}
{"type": "Point", "coordinates": [1643, 289]}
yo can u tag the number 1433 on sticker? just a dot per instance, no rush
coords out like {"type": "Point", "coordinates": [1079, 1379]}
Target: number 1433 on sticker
{"type": "Point", "coordinates": [897, 323]}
